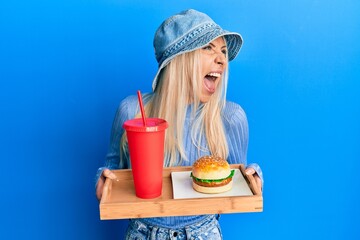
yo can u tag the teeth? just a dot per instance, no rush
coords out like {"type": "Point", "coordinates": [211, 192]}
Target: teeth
{"type": "Point", "coordinates": [214, 74]}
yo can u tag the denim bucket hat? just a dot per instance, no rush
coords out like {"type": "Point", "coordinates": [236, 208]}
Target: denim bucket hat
{"type": "Point", "coordinates": [187, 31]}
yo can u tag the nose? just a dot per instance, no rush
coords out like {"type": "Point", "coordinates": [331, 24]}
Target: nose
{"type": "Point", "coordinates": [220, 59]}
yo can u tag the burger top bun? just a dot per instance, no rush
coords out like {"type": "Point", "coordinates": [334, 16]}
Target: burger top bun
{"type": "Point", "coordinates": [210, 167]}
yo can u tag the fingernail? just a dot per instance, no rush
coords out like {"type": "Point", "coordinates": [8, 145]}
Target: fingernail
{"type": "Point", "coordinates": [115, 177]}
{"type": "Point", "coordinates": [249, 172]}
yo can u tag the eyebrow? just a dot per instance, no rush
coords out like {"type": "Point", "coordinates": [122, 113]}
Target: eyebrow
{"type": "Point", "coordinates": [213, 45]}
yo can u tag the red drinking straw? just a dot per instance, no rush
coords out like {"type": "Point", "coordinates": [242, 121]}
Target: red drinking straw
{"type": "Point", "coordinates": [141, 108]}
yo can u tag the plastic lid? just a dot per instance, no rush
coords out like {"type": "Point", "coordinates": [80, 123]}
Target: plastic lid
{"type": "Point", "coordinates": [152, 125]}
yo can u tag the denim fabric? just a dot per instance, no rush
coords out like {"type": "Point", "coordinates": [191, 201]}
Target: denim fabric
{"type": "Point", "coordinates": [208, 229]}
{"type": "Point", "coordinates": [187, 31]}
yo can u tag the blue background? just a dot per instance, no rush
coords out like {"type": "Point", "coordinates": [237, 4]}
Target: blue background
{"type": "Point", "coordinates": [65, 66]}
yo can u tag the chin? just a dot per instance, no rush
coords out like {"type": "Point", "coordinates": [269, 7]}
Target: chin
{"type": "Point", "coordinates": [205, 98]}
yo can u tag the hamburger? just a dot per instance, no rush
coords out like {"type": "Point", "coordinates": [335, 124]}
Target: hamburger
{"type": "Point", "coordinates": [211, 174]}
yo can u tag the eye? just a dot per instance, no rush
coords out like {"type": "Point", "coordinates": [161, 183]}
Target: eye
{"type": "Point", "coordinates": [224, 51]}
{"type": "Point", "coordinates": [208, 47]}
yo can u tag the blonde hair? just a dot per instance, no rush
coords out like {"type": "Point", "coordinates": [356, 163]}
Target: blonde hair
{"type": "Point", "coordinates": [180, 84]}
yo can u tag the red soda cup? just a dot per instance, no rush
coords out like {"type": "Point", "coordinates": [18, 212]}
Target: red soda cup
{"type": "Point", "coordinates": [146, 149]}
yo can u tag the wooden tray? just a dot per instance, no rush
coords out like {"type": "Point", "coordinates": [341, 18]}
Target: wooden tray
{"type": "Point", "coordinates": [119, 200]}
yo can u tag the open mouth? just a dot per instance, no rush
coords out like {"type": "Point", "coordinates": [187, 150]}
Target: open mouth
{"type": "Point", "coordinates": [210, 81]}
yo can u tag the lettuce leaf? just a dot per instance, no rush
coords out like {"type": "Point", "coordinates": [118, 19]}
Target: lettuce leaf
{"type": "Point", "coordinates": [213, 180]}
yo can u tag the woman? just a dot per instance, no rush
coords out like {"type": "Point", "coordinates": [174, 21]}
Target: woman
{"type": "Point", "coordinates": [189, 91]}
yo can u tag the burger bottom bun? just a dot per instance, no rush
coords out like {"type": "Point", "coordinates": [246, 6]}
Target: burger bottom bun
{"type": "Point", "coordinates": [220, 189]}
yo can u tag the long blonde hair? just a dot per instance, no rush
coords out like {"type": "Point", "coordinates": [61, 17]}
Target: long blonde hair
{"type": "Point", "coordinates": [180, 84]}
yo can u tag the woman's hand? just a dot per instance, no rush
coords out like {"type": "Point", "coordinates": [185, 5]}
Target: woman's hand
{"type": "Point", "coordinates": [251, 171]}
{"type": "Point", "coordinates": [101, 182]}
